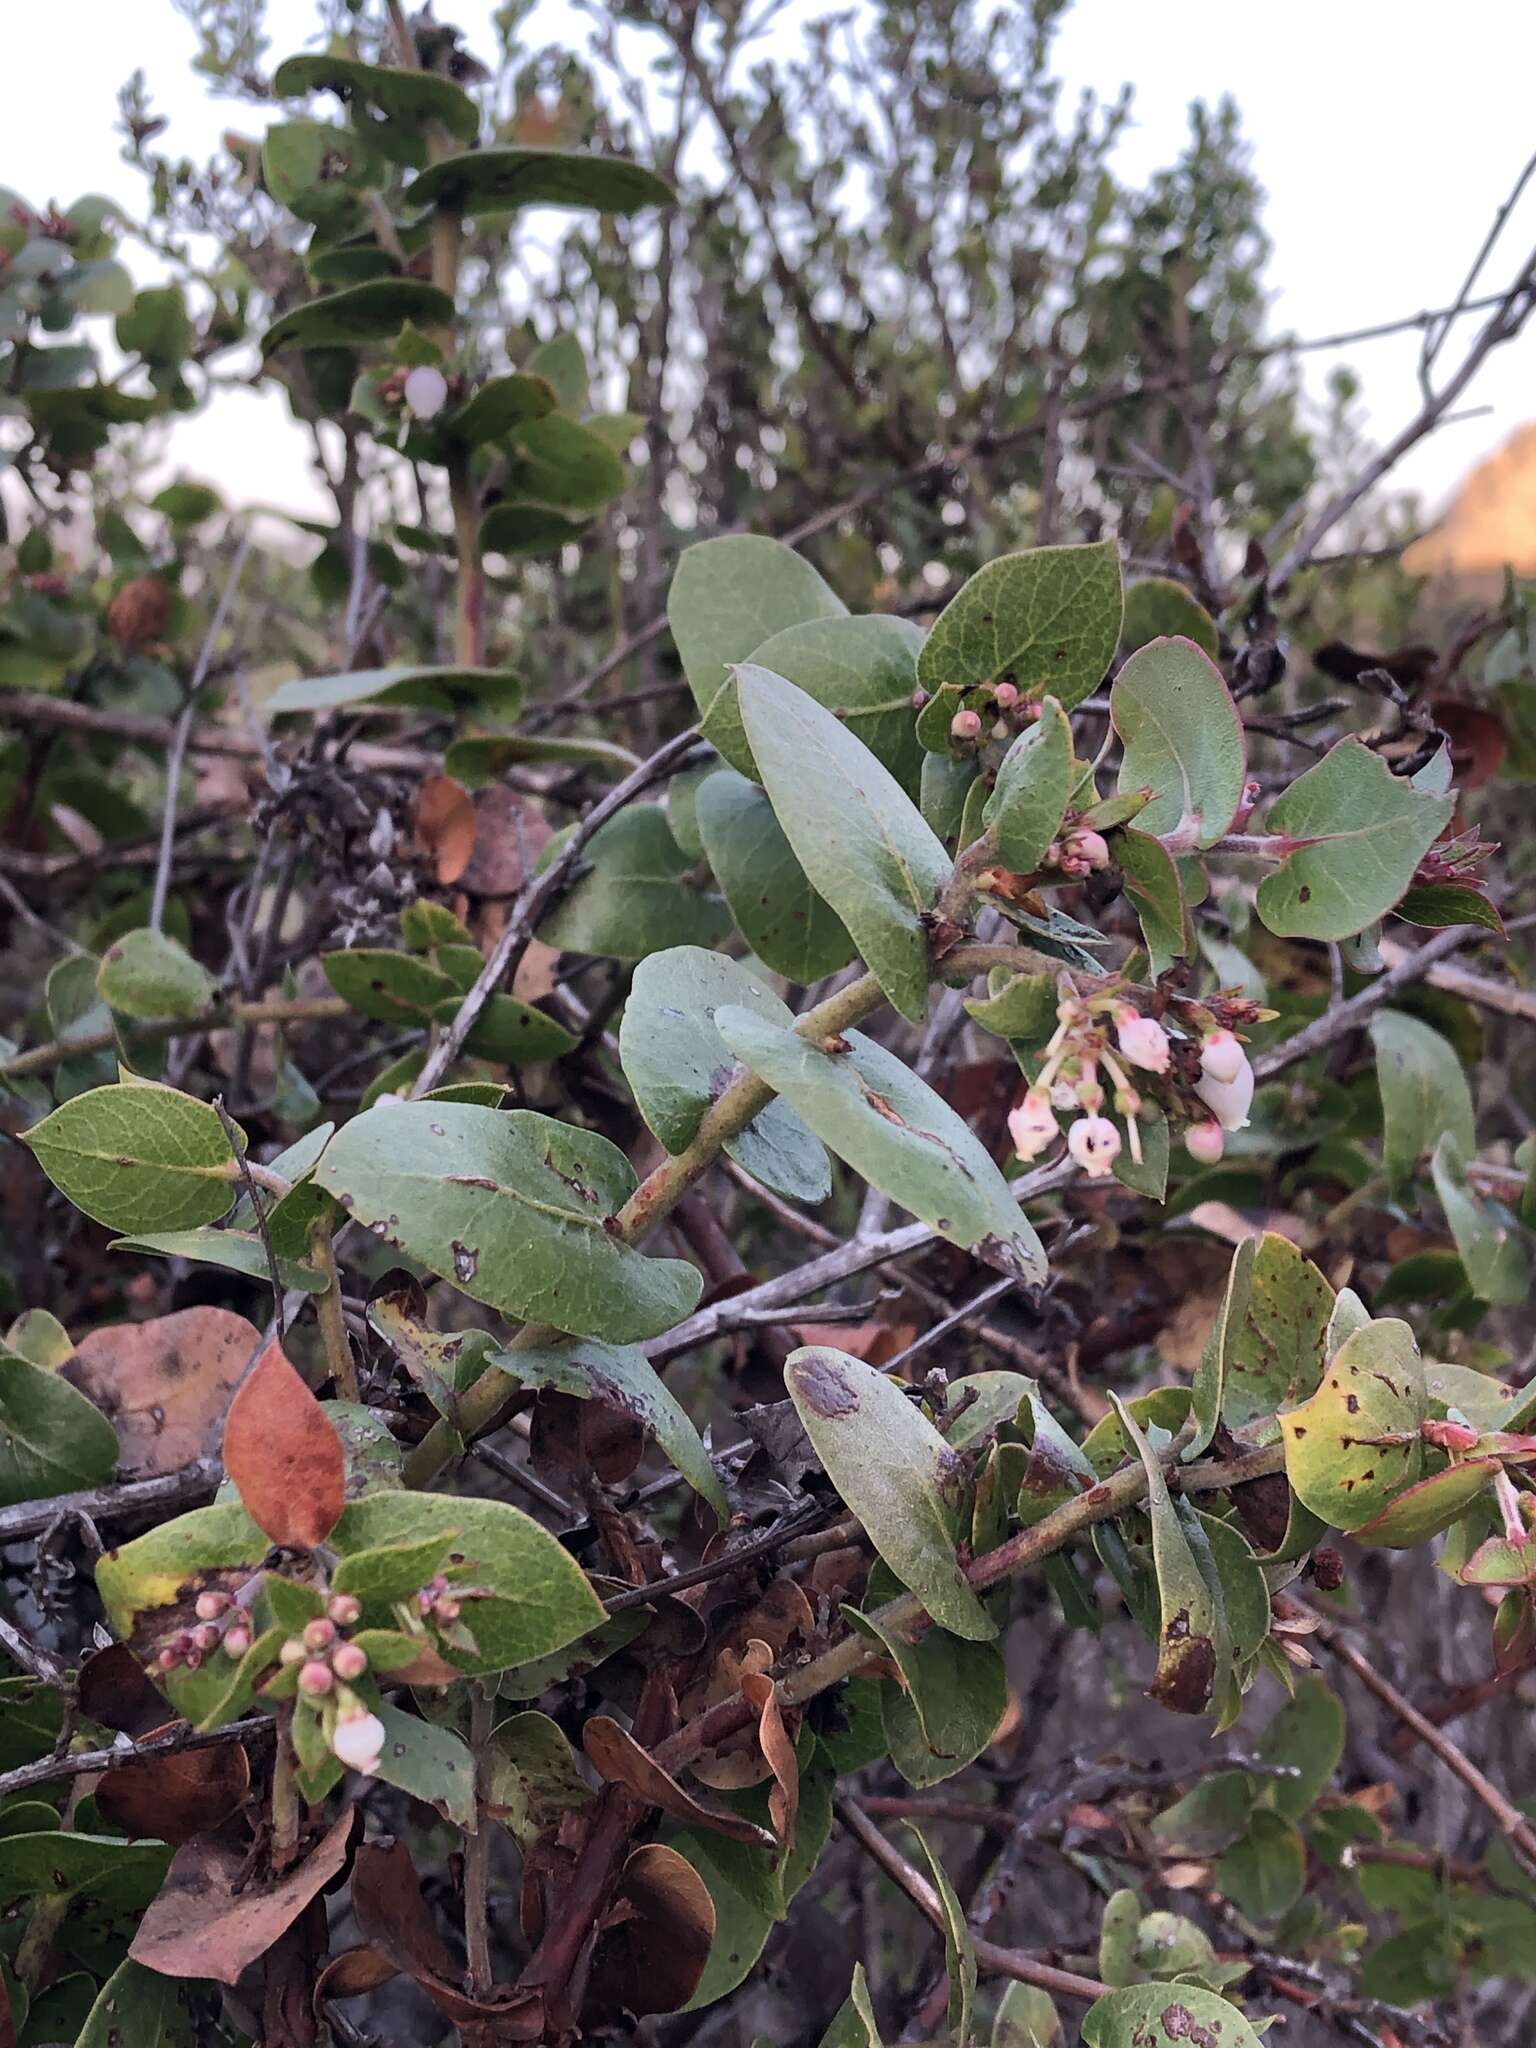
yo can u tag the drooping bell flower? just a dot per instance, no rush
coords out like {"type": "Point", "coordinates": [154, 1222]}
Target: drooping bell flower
{"type": "Point", "coordinates": [1142, 1039]}
{"type": "Point", "coordinates": [1032, 1126]}
{"type": "Point", "coordinates": [1094, 1143]}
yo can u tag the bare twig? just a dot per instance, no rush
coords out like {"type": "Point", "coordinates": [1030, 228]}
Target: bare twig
{"type": "Point", "coordinates": [86, 1762]}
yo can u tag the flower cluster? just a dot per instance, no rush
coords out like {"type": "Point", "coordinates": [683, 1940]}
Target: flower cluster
{"type": "Point", "coordinates": [1102, 1038]}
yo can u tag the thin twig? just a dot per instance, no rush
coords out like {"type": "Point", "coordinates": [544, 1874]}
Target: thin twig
{"type": "Point", "coordinates": [248, 1179]}
{"type": "Point", "coordinates": [82, 1762]}
{"type": "Point", "coordinates": [183, 730]}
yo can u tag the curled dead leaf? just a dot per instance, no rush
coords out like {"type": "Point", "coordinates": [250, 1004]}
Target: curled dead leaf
{"type": "Point", "coordinates": [619, 1760]}
{"type": "Point", "coordinates": [656, 1938]}
{"type": "Point", "coordinates": [397, 1925]}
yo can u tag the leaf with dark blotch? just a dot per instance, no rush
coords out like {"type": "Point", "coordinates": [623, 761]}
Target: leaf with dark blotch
{"type": "Point", "coordinates": [213, 1919]}
{"type": "Point", "coordinates": [139, 2008]}
{"type": "Point", "coordinates": [284, 1455]}
{"type": "Point", "coordinates": [895, 1472]}
{"type": "Point", "coordinates": [1145, 2013]}
{"type": "Point", "coordinates": [164, 1384]}
{"type": "Point", "coordinates": [513, 1208]}
{"type": "Point", "coordinates": [1359, 831]}
{"type": "Point", "coordinates": [1194, 1650]}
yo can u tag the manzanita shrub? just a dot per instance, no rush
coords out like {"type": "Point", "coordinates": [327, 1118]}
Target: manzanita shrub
{"type": "Point", "coordinates": [359, 1726]}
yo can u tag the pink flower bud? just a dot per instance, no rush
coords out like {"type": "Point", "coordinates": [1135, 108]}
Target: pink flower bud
{"type": "Point", "coordinates": [445, 1609]}
{"type": "Point", "coordinates": [1075, 865]}
{"type": "Point", "coordinates": [1221, 1056]}
{"type": "Point", "coordinates": [1449, 1436]}
{"type": "Point", "coordinates": [211, 1605]}
{"type": "Point", "coordinates": [965, 725]}
{"type": "Point", "coordinates": [1032, 1126]}
{"type": "Point", "coordinates": [1089, 1094]}
{"type": "Point", "coordinates": [1094, 1143]}
{"type": "Point", "coordinates": [1005, 696]}
{"type": "Point", "coordinates": [237, 1641]}
{"type": "Point", "coordinates": [1244, 809]}
{"type": "Point", "coordinates": [205, 1637]}
{"type": "Point", "coordinates": [292, 1652]}
{"type": "Point", "coordinates": [1142, 1039]}
{"type": "Point", "coordinates": [192, 1658]}
{"type": "Point", "coordinates": [319, 1634]}
{"type": "Point", "coordinates": [1051, 858]}
{"type": "Point", "coordinates": [426, 391]}
{"type": "Point", "coordinates": [345, 1609]}
{"type": "Point", "coordinates": [1091, 847]}
{"type": "Point", "coordinates": [1205, 1142]}
{"type": "Point", "coordinates": [316, 1678]}
{"type": "Point", "coordinates": [168, 1660]}
{"type": "Point", "coordinates": [349, 1660]}
{"type": "Point", "coordinates": [358, 1740]}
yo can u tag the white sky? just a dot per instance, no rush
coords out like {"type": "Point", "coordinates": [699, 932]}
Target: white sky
{"type": "Point", "coordinates": [1386, 133]}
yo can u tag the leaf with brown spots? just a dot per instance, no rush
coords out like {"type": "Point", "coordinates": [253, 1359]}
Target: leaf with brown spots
{"type": "Point", "coordinates": [1355, 1445]}
{"type": "Point", "coordinates": [1163, 2016]}
{"type": "Point", "coordinates": [283, 1455]}
{"type": "Point", "coordinates": [1194, 1644]}
{"type": "Point", "coordinates": [445, 826]}
{"type": "Point", "coordinates": [164, 1385]}
{"type": "Point", "coordinates": [210, 1921]}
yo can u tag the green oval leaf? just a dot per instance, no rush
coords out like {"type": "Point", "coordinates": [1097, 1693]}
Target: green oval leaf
{"type": "Point", "coordinates": [1047, 619]}
{"type": "Point", "coordinates": [406, 100]}
{"type": "Point", "coordinates": [1489, 1240]}
{"type": "Point", "coordinates": [864, 670]}
{"type": "Point", "coordinates": [889, 1126]}
{"type": "Point", "coordinates": [1424, 1093]}
{"type": "Point", "coordinates": [895, 1472]}
{"type": "Point", "coordinates": [511, 1207]}
{"type": "Point", "coordinates": [138, 1157]}
{"type": "Point", "coordinates": [428, 689]}
{"type": "Point", "coordinates": [855, 831]}
{"type": "Point", "coordinates": [1183, 740]}
{"type": "Point", "coordinates": [676, 1062]}
{"type": "Point", "coordinates": [634, 896]}
{"type": "Point", "coordinates": [1157, 608]}
{"type": "Point", "coordinates": [52, 1439]}
{"type": "Point", "coordinates": [1029, 801]}
{"type": "Point", "coordinates": [146, 974]}
{"type": "Point", "coordinates": [502, 180]}
{"type": "Point", "coordinates": [728, 597]}
{"type": "Point", "coordinates": [532, 1597]}
{"type": "Point", "coordinates": [1359, 833]}
{"type": "Point", "coordinates": [559, 465]}
{"type": "Point", "coordinates": [500, 405]}
{"type": "Point", "coordinates": [373, 311]}
{"type": "Point", "coordinates": [789, 927]}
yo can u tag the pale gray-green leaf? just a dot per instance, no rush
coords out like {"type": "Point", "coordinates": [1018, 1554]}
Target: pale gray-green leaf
{"type": "Point", "coordinates": [632, 895]}
{"type": "Point", "coordinates": [1424, 1093]}
{"type": "Point", "coordinates": [677, 1064]}
{"type": "Point", "coordinates": [137, 1157]}
{"type": "Point", "coordinates": [146, 974]}
{"type": "Point", "coordinates": [1183, 740]}
{"type": "Point", "coordinates": [895, 1472]}
{"type": "Point", "coordinates": [855, 831]}
{"type": "Point", "coordinates": [875, 1113]}
{"type": "Point", "coordinates": [728, 596]}
{"type": "Point", "coordinates": [1029, 800]}
{"type": "Point", "coordinates": [789, 927]}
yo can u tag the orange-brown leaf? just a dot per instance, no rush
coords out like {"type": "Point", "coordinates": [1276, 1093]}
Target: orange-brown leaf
{"type": "Point", "coordinates": [445, 825]}
{"type": "Point", "coordinates": [164, 1385]}
{"type": "Point", "coordinates": [283, 1455]}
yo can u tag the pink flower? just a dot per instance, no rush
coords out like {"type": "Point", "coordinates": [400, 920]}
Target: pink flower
{"type": "Point", "coordinates": [1089, 846]}
{"type": "Point", "coordinates": [316, 1678]}
{"type": "Point", "coordinates": [1142, 1039]}
{"type": "Point", "coordinates": [1205, 1142]}
{"type": "Point", "coordinates": [349, 1660]}
{"type": "Point", "coordinates": [358, 1739]}
{"type": "Point", "coordinates": [1228, 1101]}
{"type": "Point", "coordinates": [965, 725]}
{"type": "Point", "coordinates": [1032, 1126]}
{"type": "Point", "coordinates": [1005, 696]}
{"type": "Point", "coordinates": [1094, 1143]}
{"type": "Point", "coordinates": [1221, 1056]}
